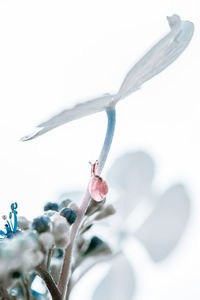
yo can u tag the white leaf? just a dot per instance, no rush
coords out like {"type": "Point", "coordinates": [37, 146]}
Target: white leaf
{"type": "Point", "coordinates": [78, 111]}
{"type": "Point", "coordinates": [162, 230]}
{"type": "Point", "coordinates": [118, 284]}
{"type": "Point", "coordinates": [131, 175]}
{"type": "Point", "coordinates": [156, 60]}
{"type": "Point", "coordinates": [133, 171]}
{"type": "Point", "coordinates": [160, 56]}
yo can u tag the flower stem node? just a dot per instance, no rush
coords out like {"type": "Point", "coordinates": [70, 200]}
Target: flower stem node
{"type": "Point", "coordinates": [41, 224]}
{"type": "Point", "coordinates": [51, 206]}
{"type": "Point", "coordinates": [95, 206]}
{"type": "Point", "coordinates": [69, 214]}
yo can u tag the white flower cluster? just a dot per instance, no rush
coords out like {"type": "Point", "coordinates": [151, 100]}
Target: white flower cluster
{"type": "Point", "coordinates": [30, 246]}
{"type": "Point", "coordinates": [17, 255]}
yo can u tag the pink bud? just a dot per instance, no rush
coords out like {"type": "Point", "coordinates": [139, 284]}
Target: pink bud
{"type": "Point", "coordinates": [98, 187]}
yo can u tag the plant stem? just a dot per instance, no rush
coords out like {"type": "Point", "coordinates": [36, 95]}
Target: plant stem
{"type": "Point", "coordinates": [68, 289]}
{"type": "Point", "coordinates": [44, 274]}
{"type": "Point", "coordinates": [26, 288]}
{"type": "Point", "coordinates": [111, 115]}
{"type": "Point", "coordinates": [66, 267]}
{"type": "Point", "coordinates": [50, 252]}
{"type": "Point", "coordinates": [3, 293]}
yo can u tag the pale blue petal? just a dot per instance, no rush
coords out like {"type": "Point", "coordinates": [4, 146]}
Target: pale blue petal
{"type": "Point", "coordinates": [160, 56]}
{"type": "Point", "coordinates": [156, 60]}
{"type": "Point", "coordinates": [78, 111]}
{"type": "Point", "coordinates": [161, 232]}
{"type": "Point", "coordinates": [119, 283]}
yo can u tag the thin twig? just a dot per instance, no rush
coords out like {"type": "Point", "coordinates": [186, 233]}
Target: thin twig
{"type": "Point", "coordinates": [66, 268]}
{"type": "Point", "coordinates": [26, 288]}
{"type": "Point", "coordinates": [4, 293]}
{"type": "Point", "coordinates": [111, 115]}
{"type": "Point", "coordinates": [69, 288]}
{"type": "Point", "coordinates": [50, 283]}
{"type": "Point", "coordinates": [50, 252]}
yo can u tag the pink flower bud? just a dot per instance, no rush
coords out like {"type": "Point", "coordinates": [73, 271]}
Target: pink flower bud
{"type": "Point", "coordinates": [98, 187]}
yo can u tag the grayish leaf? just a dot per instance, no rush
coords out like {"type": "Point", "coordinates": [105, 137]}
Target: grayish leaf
{"type": "Point", "coordinates": [156, 60]}
{"type": "Point", "coordinates": [133, 171]}
{"type": "Point", "coordinates": [132, 175]}
{"type": "Point", "coordinates": [160, 56]}
{"type": "Point", "coordinates": [78, 111]}
{"type": "Point", "coordinates": [119, 283]}
{"type": "Point", "coordinates": [164, 227]}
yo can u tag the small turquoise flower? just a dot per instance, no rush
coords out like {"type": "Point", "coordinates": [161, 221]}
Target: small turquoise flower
{"type": "Point", "coordinates": [11, 224]}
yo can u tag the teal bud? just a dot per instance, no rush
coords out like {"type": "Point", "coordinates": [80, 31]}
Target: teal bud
{"type": "Point", "coordinates": [41, 224]}
{"type": "Point", "coordinates": [15, 274]}
{"type": "Point", "coordinates": [94, 244]}
{"type": "Point", "coordinates": [51, 206]}
{"type": "Point", "coordinates": [69, 214]}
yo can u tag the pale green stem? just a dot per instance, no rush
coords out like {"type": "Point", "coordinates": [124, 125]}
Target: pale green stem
{"type": "Point", "coordinates": [66, 267]}
{"type": "Point", "coordinates": [111, 115]}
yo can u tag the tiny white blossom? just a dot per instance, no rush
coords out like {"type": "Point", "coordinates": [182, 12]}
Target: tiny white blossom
{"type": "Point", "coordinates": [23, 223]}
{"type": "Point", "coordinates": [47, 240]}
{"type": "Point", "coordinates": [60, 225]}
{"type": "Point", "coordinates": [60, 231]}
{"type": "Point", "coordinates": [22, 253]}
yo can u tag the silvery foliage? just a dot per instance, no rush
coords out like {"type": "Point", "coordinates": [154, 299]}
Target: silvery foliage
{"type": "Point", "coordinates": [34, 249]}
{"type": "Point", "coordinates": [167, 50]}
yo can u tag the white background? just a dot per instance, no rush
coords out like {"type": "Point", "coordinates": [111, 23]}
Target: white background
{"type": "Point", "coordinates": [56, 53]}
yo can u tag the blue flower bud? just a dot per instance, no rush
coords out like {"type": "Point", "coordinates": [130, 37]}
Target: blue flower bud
{"type": "Point", "coordinates": [16, 274]}
{"type": "Point", "coordinates": [95, 243]}
{"type": "Point", "coordinates": [51, 206]}
{"type": "Point", "coordinates": [41, 224]}
{"type": "Point", "coordinates": [69, 214]}
{"type": "Point", "coordinates": [58, 253]}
